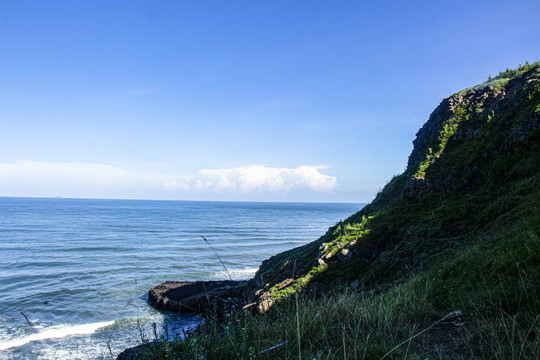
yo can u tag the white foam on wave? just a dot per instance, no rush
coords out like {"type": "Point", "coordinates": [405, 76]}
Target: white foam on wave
{"type": "Point", "coordinates": [236, 274]}
{"type": "Point", "coordinates": [54, 332]}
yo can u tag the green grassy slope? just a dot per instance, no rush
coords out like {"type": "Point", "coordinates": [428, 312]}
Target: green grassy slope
{"type": "Point", "coordinates": [444, 263]}
{"type": "Point", "coordinates": [472, 175]}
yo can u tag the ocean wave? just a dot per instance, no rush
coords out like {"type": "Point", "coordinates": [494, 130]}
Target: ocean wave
{"type": "Point", "coordinates": [236, 274]}
{"type": "Point", "coordinates": [54, 332]}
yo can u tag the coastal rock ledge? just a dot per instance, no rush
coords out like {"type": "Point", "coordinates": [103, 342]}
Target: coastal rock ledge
{"type": "Point", "coordinates": [193, 296]}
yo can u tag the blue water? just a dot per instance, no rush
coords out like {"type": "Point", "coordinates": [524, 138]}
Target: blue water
{"type": "Point", "coordinates": [79, 270]}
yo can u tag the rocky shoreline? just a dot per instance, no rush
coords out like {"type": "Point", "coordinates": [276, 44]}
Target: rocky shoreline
{"type": "Point", "coordinates": [201, 297]}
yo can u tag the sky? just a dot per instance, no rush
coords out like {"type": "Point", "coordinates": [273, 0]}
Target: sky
{"type": "Point", "coordinates": [315, 101]}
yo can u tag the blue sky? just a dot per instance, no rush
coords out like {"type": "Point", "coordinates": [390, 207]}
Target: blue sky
{"type": "Point", "coordinates": [236, 100]}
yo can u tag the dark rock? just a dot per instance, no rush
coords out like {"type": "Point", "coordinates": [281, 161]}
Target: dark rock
{"type": "Point", "coordinates": [135, 353]}
{"type": "Point", "coordinates": [198, 296]}
{"type": "Point", "coordinates": [344, 255]}
{"type": "Point", "coordinates": [417, 188]}
{"type": "Point", "coordinates": [526, 127]}
{"type": "Point", "coordinates": [488, 100]}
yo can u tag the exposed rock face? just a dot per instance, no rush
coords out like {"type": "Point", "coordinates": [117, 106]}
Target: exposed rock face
{"type": "Point", "coordinates": [198, 296]}
{"type": "Point", "coordinates": [461, 112]}
{"type": "Point", "coordinates": [520, 132]}
{"type": "Point", "coordinates": [420, 187]}
{"type": "Point", "coordinates": [484, 100]}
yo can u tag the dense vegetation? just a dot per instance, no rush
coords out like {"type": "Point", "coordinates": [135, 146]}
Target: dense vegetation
{"type": "Point", "coordinates": [444, 263]}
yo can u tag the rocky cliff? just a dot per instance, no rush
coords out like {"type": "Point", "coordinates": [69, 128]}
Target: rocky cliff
{"type": "Point", "coordinates": [472, 172]}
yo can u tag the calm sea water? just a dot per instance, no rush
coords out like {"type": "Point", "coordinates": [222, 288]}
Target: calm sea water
{"type": "Point", "coordinates": [74, 273]}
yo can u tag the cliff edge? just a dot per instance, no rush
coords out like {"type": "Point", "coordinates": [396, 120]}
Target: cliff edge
{"type": "Point", "coordinates": [473, 174]}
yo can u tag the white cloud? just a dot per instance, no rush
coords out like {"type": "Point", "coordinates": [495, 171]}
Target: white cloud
{"type": "Point", "coordinates": [175, 185]}
{"type": "Point", "coordinates": [255, 178]}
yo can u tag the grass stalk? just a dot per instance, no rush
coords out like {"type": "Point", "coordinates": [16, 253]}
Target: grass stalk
{"type": "Point", "coordinates": [298, 326]}
{"type": "Point", "coordinates": [446, 317]}
{"type": "Point", "coordinates": [219, 258]}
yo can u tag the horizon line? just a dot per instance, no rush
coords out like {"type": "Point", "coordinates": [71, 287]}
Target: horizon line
{"type": "Point", "coordinates": [224, 201]}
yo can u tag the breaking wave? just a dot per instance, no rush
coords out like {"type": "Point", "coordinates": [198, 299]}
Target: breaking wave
{"type": "Point", "coordinates": [54, 332]}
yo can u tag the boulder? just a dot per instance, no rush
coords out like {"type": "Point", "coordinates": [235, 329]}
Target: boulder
{"type": "Point", "coordinates": [193, 296]}
{"type": "Point", "coordinates": [139, 352]}
{"type": "Point", "coordinates": [344, 255]}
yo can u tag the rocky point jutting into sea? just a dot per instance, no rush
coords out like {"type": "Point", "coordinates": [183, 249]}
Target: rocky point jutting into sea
{"type": "Point", "coordinates": [444, 262]}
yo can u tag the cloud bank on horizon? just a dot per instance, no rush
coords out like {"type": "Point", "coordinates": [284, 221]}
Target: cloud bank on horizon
{"type": "Point", "coordinates": [59, 178]}
{"type": "Point", "coordinates": [252, 178]}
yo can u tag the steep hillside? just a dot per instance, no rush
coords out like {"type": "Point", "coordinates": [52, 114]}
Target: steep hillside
{"type": "Point", "coordinates": [472, 176]}
{"type": "Point", "coordinates": [444, 263]}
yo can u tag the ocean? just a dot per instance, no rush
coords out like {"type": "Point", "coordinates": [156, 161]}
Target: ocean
{"type": "Point", "coordinates": [74, 273]}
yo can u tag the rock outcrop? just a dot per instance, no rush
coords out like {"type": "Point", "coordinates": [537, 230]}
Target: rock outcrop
{"type": "Point", "coordinates": [482, 100]}
{"type": "Point", "coordinates": [198, 296]}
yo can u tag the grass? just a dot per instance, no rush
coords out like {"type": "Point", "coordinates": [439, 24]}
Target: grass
{"type": "Point", "coordinates": [401, 323]}
{"type": "Point", "coordinates": [480, 305]}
